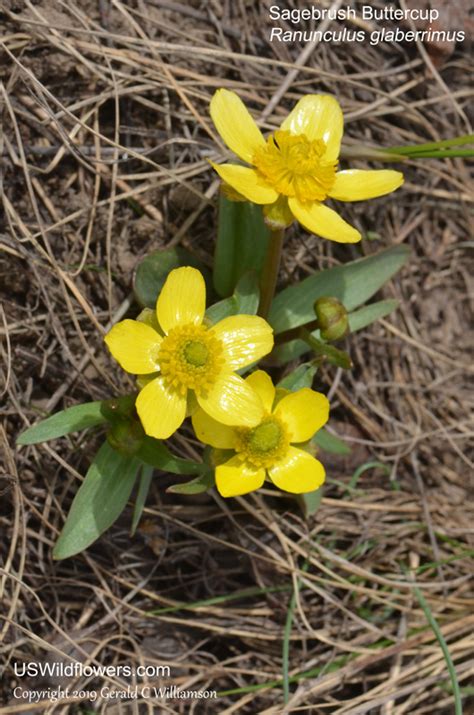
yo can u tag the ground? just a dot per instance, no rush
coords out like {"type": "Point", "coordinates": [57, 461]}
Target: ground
{"type": "Point", "coordinates": [105, 149]}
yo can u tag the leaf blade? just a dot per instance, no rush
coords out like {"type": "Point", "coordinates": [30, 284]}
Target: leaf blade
{"type": "Point", "coordinates": [72, 419]}
{"type": "Point", "coordinates": [99, 501]}
{"type": "Point", "coordinates": [353, 284]}
{"type": "Point", "coordinates": [199, 485]}
{"type": "Point", "coordinates": [329, 442]}
{"type": "Point", "coordinates": [369, 314]}
{"type": "Point", "coordinates": [241, 244]}
{"type": "Point", "coordinates": [142, 493]}
{"type": "Point", "coordinates": [156, 454]}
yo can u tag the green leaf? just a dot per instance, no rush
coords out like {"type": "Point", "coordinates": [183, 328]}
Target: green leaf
{"type": "Point", "coordinates": [310, 502]}
{"type": "Point", "coordinates": [330, 443]}
{"type": "Point", "coordinates": [370, 313]}
{"type": "Point", "coordinates": [153, 270]}
{"type": "Point", "coordinates": [364, 468]}
{"type": "Point", "coordinates": [100, 500]}
{"type": "Point", "coordinates": [299, 378]}
{"type": "Point", "coordinates": [358, 320]}
{"type": "Point", "coordinates": [244, 300]}
{"type": "Point", "coordinates": [154, 453]}
{"type": "Point", "coordinates": [353, 284]}
{"type": "Point", "coordinates": [241, 245]}
{"type": "Point", "coordinates": [72, 419]}
{"type": "Point", "coordinates": [195, 486]}
{"type": "Point", "coordinates": [143, 489]}
{"type": "Point", "coordinates": [247, 294]}
{"type": "Point", "coordinates": [221, 310]}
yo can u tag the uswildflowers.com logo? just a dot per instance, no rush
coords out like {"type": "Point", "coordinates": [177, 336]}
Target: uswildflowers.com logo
{"type": "Point", "coordinates": [74, 670]}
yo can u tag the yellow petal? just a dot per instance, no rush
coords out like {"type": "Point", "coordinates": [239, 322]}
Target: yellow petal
{"type": "Point", "coordinates": [323, 221]}
{"type": "Point", "coordinates": [212, 432]}
{"type": "Point", "coordinates": [235, 125]}
{"type": "Point", "coordinates": [182, 300]}
{"type": "Point", "coordinates": [304, 412]}
{"type": "Point", "coordinates": [235, 478]}
{"type": "Point", "coordinates": [161, 410]}
{"type": "Point", "coordinates": [247, 182]}
{"type": "Point", "coordinates": [245, 338]}
{"type": "Point", "coordinates": [135, 346]}
{"type": "Point", "coordinates": [358, 185]}
{"type": "Point", "coordinates": [263, 386]}
{"type": "Point", "coordinates": [298, 472]}
{"type": "Point", "coordinates": [232, 402]}
{"type": "Point", "coordinates": [318, 116]}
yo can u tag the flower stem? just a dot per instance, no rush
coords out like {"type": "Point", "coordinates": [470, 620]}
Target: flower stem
{"type": "Point", "coordinates": [431, 150]}
{"type": "Point", "coordinates": [270, 271]}
{"type": "Point", "coordinates": [432, 146]}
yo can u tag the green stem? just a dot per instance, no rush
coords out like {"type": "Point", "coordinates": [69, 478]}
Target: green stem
{"type": "Point", "coordinates": [270, 271]}
{"type": "Point", "coordinates": [430, 150]}
{"type": "Point", "coordinates": [296, 333]}
{"type": "Point", "coordinates": [429, 146]}
{"type": "Point", "coordinates": [444, 647]}
{"type": "Point", "coordinates": [441, 154]}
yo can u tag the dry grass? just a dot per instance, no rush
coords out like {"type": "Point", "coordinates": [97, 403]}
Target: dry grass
{"type": "Point", "coordinates": [104, 154]}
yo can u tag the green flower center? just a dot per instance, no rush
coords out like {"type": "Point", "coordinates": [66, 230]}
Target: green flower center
{"type": "Point", "coordinates": [296, 166]}
{"type": "Point", "coordinates": [196, 353]}
{"type": "Point", "coordinates": [190, 358]}
{"type": "Point", "coordinates": [263, 445]}
{"type": "Point", "coordinates": [265, 437]}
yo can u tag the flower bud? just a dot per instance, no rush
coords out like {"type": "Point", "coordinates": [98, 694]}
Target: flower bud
{"type": "Point", "coordinates": [126, 437]}
{"type": "Point", "coordinates": [332, 318]}
{"type": "Point", "coordinates": [119, 408]}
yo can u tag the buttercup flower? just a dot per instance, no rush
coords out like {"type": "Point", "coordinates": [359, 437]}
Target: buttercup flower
{"type": "Point", "coordinates": [266, 450]}
{"type": "Point", "coordinates": [188, 357]}
{"type": "Point", "coordinates": [295, 169]}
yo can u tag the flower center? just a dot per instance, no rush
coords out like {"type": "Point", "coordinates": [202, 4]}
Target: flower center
{"type": "Point", "coordinates": [264, 444]}
{"type": "Point", "coordinates": [295, 166]}
{"type": "Point", "coordinates": [196, 353]}
{"type": "Point", "coordinates": [190, 358]}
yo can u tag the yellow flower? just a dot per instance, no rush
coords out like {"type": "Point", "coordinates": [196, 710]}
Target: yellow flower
{"type": "Point", "coordinates": [265, 450]}
{"type": "Point", "coordinates": [188, 358]}
{"type": "Point", "coordinates": [295, 169]}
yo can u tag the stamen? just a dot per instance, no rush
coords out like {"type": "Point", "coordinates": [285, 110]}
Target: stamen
{"type": "Point", "coordinates": [296, 166]}
{"type": "Point", "coordinates": [263, 445]}
{"type": "Point", "coordinates": [190, 358]}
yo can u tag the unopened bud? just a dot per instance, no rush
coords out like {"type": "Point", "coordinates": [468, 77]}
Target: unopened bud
{"type": "Point", "coordinates": [126, 437]}
{"type": "Point", "coordinates": [332, 318]}
{"type": "Point", "coordinates": [119, 407]}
